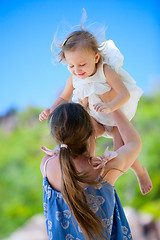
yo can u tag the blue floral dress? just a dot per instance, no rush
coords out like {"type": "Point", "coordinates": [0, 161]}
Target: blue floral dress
{"type": "Point", "coordinates": [102, 199]}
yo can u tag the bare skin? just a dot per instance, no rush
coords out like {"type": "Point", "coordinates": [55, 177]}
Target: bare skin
{"type": "Point", "coordinates": [140, 171]}
{"type": "Point", "coordinates": [111, 101]}
{"type": "Point", "coordinates": [124, 159]}
{"type": "Point", "coordinates": [143, 177]}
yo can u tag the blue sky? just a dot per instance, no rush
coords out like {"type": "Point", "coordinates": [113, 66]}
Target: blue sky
{"type": "Point", "coordinates": [27, 28]}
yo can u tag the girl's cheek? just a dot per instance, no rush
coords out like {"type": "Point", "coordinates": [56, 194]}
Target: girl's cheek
{"type": "Point", "coordinates": [74, 73]}
{"type": "Point", "coordinates": [70, 70]}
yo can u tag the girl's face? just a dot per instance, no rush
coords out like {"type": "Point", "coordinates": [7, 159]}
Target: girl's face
{"type": "Point", "coordinates": [82, 63]}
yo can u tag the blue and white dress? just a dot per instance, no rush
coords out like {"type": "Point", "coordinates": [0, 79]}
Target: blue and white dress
{"type": "Point", "coordinates": [103, 201]}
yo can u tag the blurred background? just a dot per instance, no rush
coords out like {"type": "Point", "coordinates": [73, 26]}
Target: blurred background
{"type": "Point", "coordinates": [30, 82]}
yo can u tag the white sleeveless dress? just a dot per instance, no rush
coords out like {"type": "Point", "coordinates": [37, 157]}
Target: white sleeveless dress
{"type": "Point", "coordinates": [96, 85]}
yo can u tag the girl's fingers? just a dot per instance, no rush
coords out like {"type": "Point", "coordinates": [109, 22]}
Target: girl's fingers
{"type": "Point", "coordinates": [43, 116]}
{"type": "Point", "coordinates": [47, 151]}
{"type": "Point", "coordinates": [40, 118]}
{"type": "Point", "coordinates": [99, 107]}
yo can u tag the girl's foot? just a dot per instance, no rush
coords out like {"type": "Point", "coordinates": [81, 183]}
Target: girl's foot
{"type": "Point", "coordinates": [145, 182]}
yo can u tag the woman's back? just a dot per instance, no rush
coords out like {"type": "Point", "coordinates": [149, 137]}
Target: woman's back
{"type": "Point", "coordinates": [103, 201]}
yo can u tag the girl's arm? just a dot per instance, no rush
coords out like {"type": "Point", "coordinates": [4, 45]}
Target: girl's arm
{"type": "Point", "coordinates": [127, 153]}
{"type": "Point", "coordinates": [65, 95]}
{"type": "Point", "coordinates": [122, 93]}
{"type": "Point", "coordinates": [63, 98]}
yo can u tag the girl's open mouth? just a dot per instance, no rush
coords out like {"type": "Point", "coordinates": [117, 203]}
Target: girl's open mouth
{"type": "Point", "coordinates": [81, 74]}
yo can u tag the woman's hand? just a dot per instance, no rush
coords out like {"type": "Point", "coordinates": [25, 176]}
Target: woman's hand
{"type": "Point", "coordinates": [100, 162]}
{"type": "Point", "coordinates": [45, 114]}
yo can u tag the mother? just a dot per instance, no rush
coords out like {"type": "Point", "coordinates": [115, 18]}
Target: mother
{"type": "Point", "coordinates": [80, 202]}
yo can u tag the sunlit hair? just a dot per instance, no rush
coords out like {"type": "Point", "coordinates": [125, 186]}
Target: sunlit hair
{"type": "Point", "coordinates": [71, 125]}
{"type": "Point", "coordinates": [81, 39]}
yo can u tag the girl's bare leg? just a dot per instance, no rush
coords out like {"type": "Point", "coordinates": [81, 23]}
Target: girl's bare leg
{"type": "Point", "coordinates": [99, 131]}
{"type": "Point", "coordinates": [99, 128]}
{"type": "Point", "coordinates": [140, 171]}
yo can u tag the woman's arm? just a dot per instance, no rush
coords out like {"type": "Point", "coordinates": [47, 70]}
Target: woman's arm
{"type": "Point", "coordinates": [63, 98]}
{"type": "Point", "coordinates": [127, 153]}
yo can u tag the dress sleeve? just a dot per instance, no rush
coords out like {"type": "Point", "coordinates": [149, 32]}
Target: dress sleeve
{"type": "Point", "coordinates": [111, 55]}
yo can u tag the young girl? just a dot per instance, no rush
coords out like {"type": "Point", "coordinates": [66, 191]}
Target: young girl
{"type": "Point", "coordinates": [98, 82]}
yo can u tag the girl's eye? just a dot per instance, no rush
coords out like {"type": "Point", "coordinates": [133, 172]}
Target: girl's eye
{"type": "Point", "coordinates": [82, 65]}
{"type": "Point", "coordinates": [71, 66]}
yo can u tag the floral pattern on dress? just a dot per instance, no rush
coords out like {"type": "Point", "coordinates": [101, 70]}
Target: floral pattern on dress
{"type": "Point", "coordinates": [94, 202]}
{"type": "Point", "coordinates": [103, 200]}
{"type": "Point", "coordinates": [48, 191]}
{"type": "Point", "coordinates": [98, 186]}
{"type": "Point", "coordinates": [50, 235]}
{"type": "Point", "coordinates": [109, 223]}
{"type": "Point", "coordinates": [117, 212]}
{"type": "Point", "coordinates": [59, 195]}
{"type": "Point", "coordinates": [63, 218]}
{"type": "Point", "coordinates": [45, 206]}
{"type": "Point", "coordinates": [127, 233]}
{"type": "Point", "coordinates": [49, 225]}
{"type": "Point", "coordinates": [70, 237]}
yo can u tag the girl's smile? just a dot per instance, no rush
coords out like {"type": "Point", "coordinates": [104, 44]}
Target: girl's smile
{"type": "Point", "coordinates": [81, 74]}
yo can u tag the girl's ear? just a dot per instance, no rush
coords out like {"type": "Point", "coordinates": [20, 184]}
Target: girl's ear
{"type": "Point", "coordinates": [97, 57]}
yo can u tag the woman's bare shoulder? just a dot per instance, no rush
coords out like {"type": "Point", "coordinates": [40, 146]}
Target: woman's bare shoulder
{"type": "Point", "coordinates": [48, 164]}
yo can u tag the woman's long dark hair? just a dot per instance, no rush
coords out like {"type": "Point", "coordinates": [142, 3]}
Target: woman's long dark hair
{"type": "Point", "coordinates": [71, 125]}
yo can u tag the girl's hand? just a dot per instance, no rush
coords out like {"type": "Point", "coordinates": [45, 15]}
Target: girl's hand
{"type": "Point", "coordinates": [45, 114]}
{"type": "Point", "coordinates": [50, 152]}
{"type": "Point", "coordinates": [102, 107]}
{"type": "Point", "coordinates": [83, 102]}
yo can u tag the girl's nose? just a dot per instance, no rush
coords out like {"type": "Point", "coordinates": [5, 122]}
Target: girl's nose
{"type": "Point", "coordinates": [76, 69]}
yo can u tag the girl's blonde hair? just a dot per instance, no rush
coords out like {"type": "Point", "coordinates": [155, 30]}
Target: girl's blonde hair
{"type": "Point", "coordinates": [71, 125]}
{"type": "Point", "coordinates": [78, 39]}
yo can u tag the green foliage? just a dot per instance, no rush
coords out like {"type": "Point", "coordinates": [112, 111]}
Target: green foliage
{"type": "Point", "coordinates": [146, 121]}
{"type": "Point", "coordinates": [20, 157]}
{"type": "Point", "coordinates": [20, 177]}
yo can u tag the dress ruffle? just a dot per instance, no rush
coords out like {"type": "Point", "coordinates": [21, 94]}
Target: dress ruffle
{"type": "Point", "coordinates": [111, 55]}
{"type": "Point", "coordinates": [87, 90]}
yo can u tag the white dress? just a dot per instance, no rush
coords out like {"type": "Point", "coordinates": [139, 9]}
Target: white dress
{"type": "Point", "coordinates": [96, 85]}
